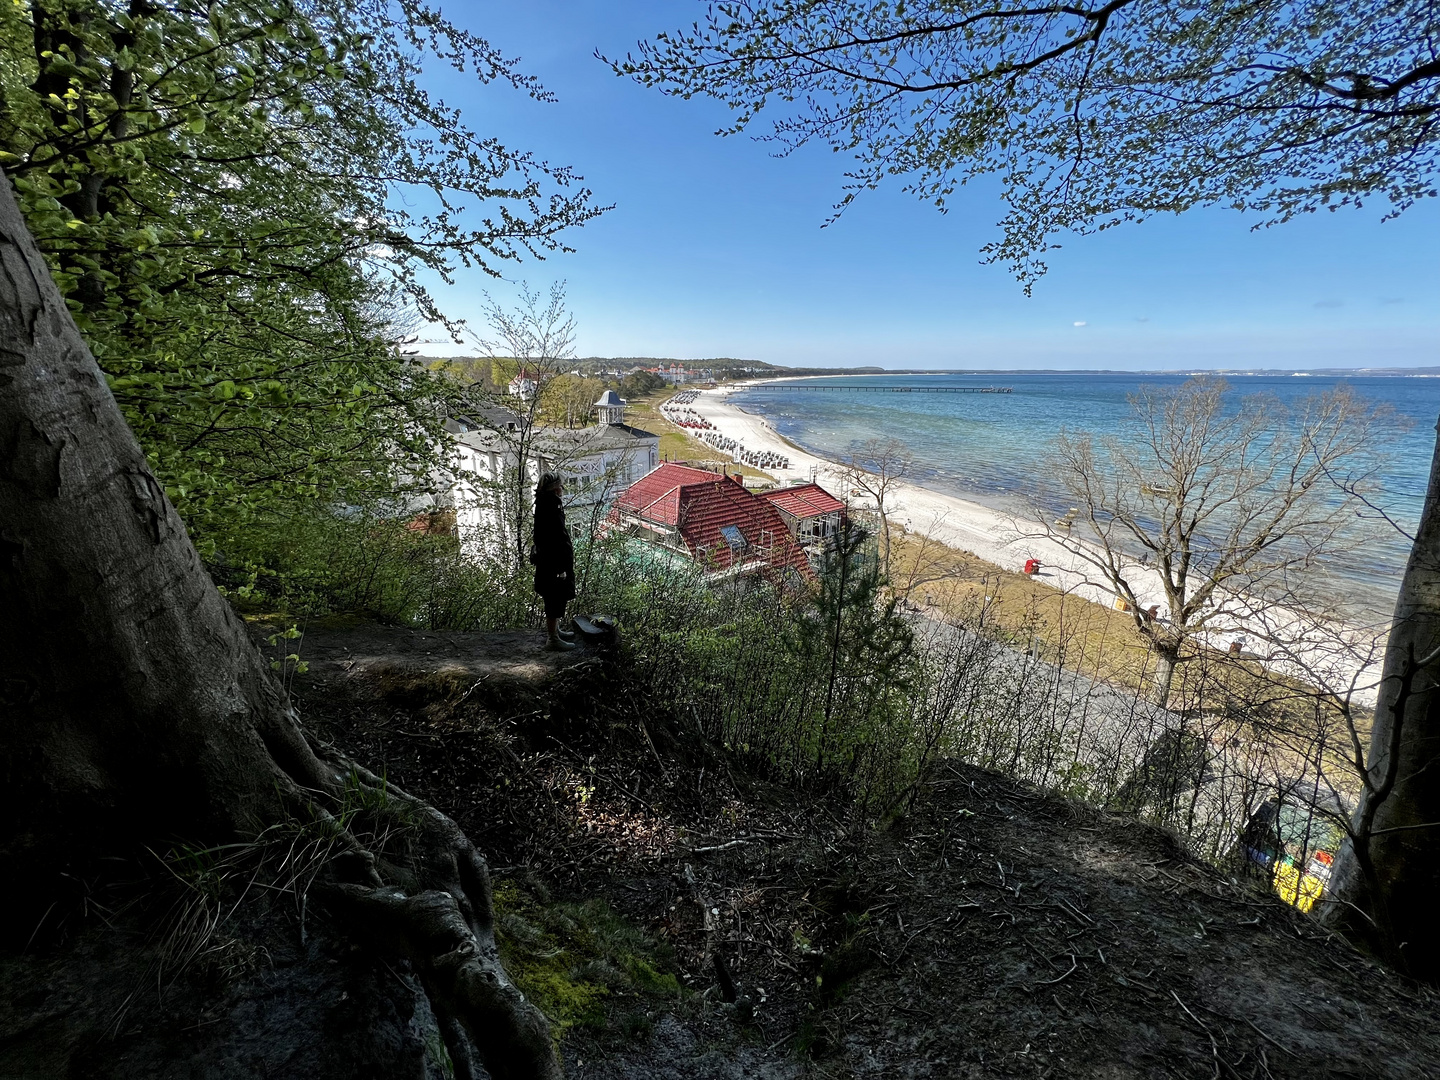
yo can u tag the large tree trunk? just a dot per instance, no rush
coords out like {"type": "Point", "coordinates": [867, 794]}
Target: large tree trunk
{"type": "Point", "coordinates": [1386, 884]}
{"type": "Point", "coordinates": [133, 707]}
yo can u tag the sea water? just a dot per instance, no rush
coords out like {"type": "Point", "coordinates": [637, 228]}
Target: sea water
{"type": "Point", "coordinates": [991, 448]}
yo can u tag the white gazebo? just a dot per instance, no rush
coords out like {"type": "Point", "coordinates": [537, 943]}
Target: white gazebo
{"type": "Point", "coordinates": [611, 408]}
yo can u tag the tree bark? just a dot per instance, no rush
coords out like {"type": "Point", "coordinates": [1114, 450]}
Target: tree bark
{"type": "Point", "coordinates": [134, 708]}
{"type": "Point", "coordinates": [1166, 658]}
{"type": "Point", "coordinates": [1386, 883]}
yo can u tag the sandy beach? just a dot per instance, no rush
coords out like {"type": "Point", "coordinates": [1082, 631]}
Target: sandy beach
{"type": "Point", "coordinates": [1008, 541]}
{"type": "Point", "coordinates": [992, 535]}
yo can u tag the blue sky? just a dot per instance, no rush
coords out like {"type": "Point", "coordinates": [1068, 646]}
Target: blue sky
{"type": "Point", "coordinates": [715, 248]}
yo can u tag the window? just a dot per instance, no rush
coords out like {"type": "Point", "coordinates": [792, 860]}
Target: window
{"type": "Point", "coordinates": [816, 528]}
{"type": "Point", "coordinates": [733, 537]}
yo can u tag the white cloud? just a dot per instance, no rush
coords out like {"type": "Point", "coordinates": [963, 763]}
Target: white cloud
{"type": "Point", "coordinates": [1081, 323]}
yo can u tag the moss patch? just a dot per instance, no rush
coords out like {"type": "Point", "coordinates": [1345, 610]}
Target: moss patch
{"type": "Point", "coordinates": [582, 964]}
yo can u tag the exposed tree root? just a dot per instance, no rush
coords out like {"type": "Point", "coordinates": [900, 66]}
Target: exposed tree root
{"type": "Point", "coordinates": [444, 925]}
{"type": "Point", "coordinates": [461, 972]}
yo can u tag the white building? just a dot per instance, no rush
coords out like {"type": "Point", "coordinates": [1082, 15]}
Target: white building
{"type": "Point", "coordinates": [524, 386]}
{"type": "Point", "coordinates": [501, 461]}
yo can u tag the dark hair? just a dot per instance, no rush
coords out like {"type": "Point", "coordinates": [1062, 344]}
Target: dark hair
{"type": "Point", "coordinates": [547, 481]}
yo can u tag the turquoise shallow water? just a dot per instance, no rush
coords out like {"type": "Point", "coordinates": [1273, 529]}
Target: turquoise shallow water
{"type": "Point", "coordinates": [991, 447]}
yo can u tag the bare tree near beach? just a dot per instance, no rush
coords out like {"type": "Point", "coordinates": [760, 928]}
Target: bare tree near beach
{"type": "Point", "coordinates": [924, 559]}
{"type": "Point", "coordinates": [1222, 505]}
{"type": "Point", "coordinates": [876, 468]}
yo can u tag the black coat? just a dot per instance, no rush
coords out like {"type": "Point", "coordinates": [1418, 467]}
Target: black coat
{"type": "Point", "coordinates": [552, 552]}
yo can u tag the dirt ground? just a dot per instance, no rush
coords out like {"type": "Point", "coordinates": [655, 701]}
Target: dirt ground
{"type": "Point", "coordinates": [992, 931]}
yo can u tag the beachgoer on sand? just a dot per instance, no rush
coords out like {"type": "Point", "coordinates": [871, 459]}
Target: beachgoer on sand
{"type": "Point", "coordinates": [554, 557]}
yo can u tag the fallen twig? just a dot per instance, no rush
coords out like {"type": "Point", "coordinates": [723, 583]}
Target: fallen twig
{"type": "Point", "coordinates": [719, 847]}
{"type": "Point", "coordinates": [1280, 1046]}
{"type": "Point", "coordinates": [473, 686]}
{"type": "Point", "coordinates": [1050, 982]}
{"type": "Point", "coordinates": [1214, 1046]}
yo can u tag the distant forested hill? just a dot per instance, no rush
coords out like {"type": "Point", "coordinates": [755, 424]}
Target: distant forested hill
{"type": "Point", "coordinates": [722, 367]}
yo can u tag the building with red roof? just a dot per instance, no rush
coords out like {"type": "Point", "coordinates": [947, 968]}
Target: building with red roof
{"type": "Point", "coordinates": [810, 512]}
{"type": "Point", "coordinates": [713, 519]}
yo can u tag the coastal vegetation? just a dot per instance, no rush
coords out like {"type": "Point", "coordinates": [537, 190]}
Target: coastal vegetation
{"type": "Point", "coordinates": [1387, 875]}
{"type": "Point", "coordinates": [875, 470]}
{"type": "Point", "coordinates": [216, 190]}
{"type": "Point", "coordinates": [208, 282]}
{"type": "Point", "coordinates": [1233, 721]}
{"type": "Point", "coordinates": [835, 692]}
{"type": "Point", "coordinates": [1229, 505]}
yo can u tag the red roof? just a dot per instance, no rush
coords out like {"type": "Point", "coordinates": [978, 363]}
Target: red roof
{"type": "Point", "coordinates": [721, 523]}
{"type": "Point", "coordinates": [805, 501]}
{"type": "Point", "coordinates": [709, 511]}
{"type": "Point", "coordinates": [655, 496]}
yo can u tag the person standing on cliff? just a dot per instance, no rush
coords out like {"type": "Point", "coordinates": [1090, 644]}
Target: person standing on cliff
{"type": "Point", "coordinates": [554, 557]}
